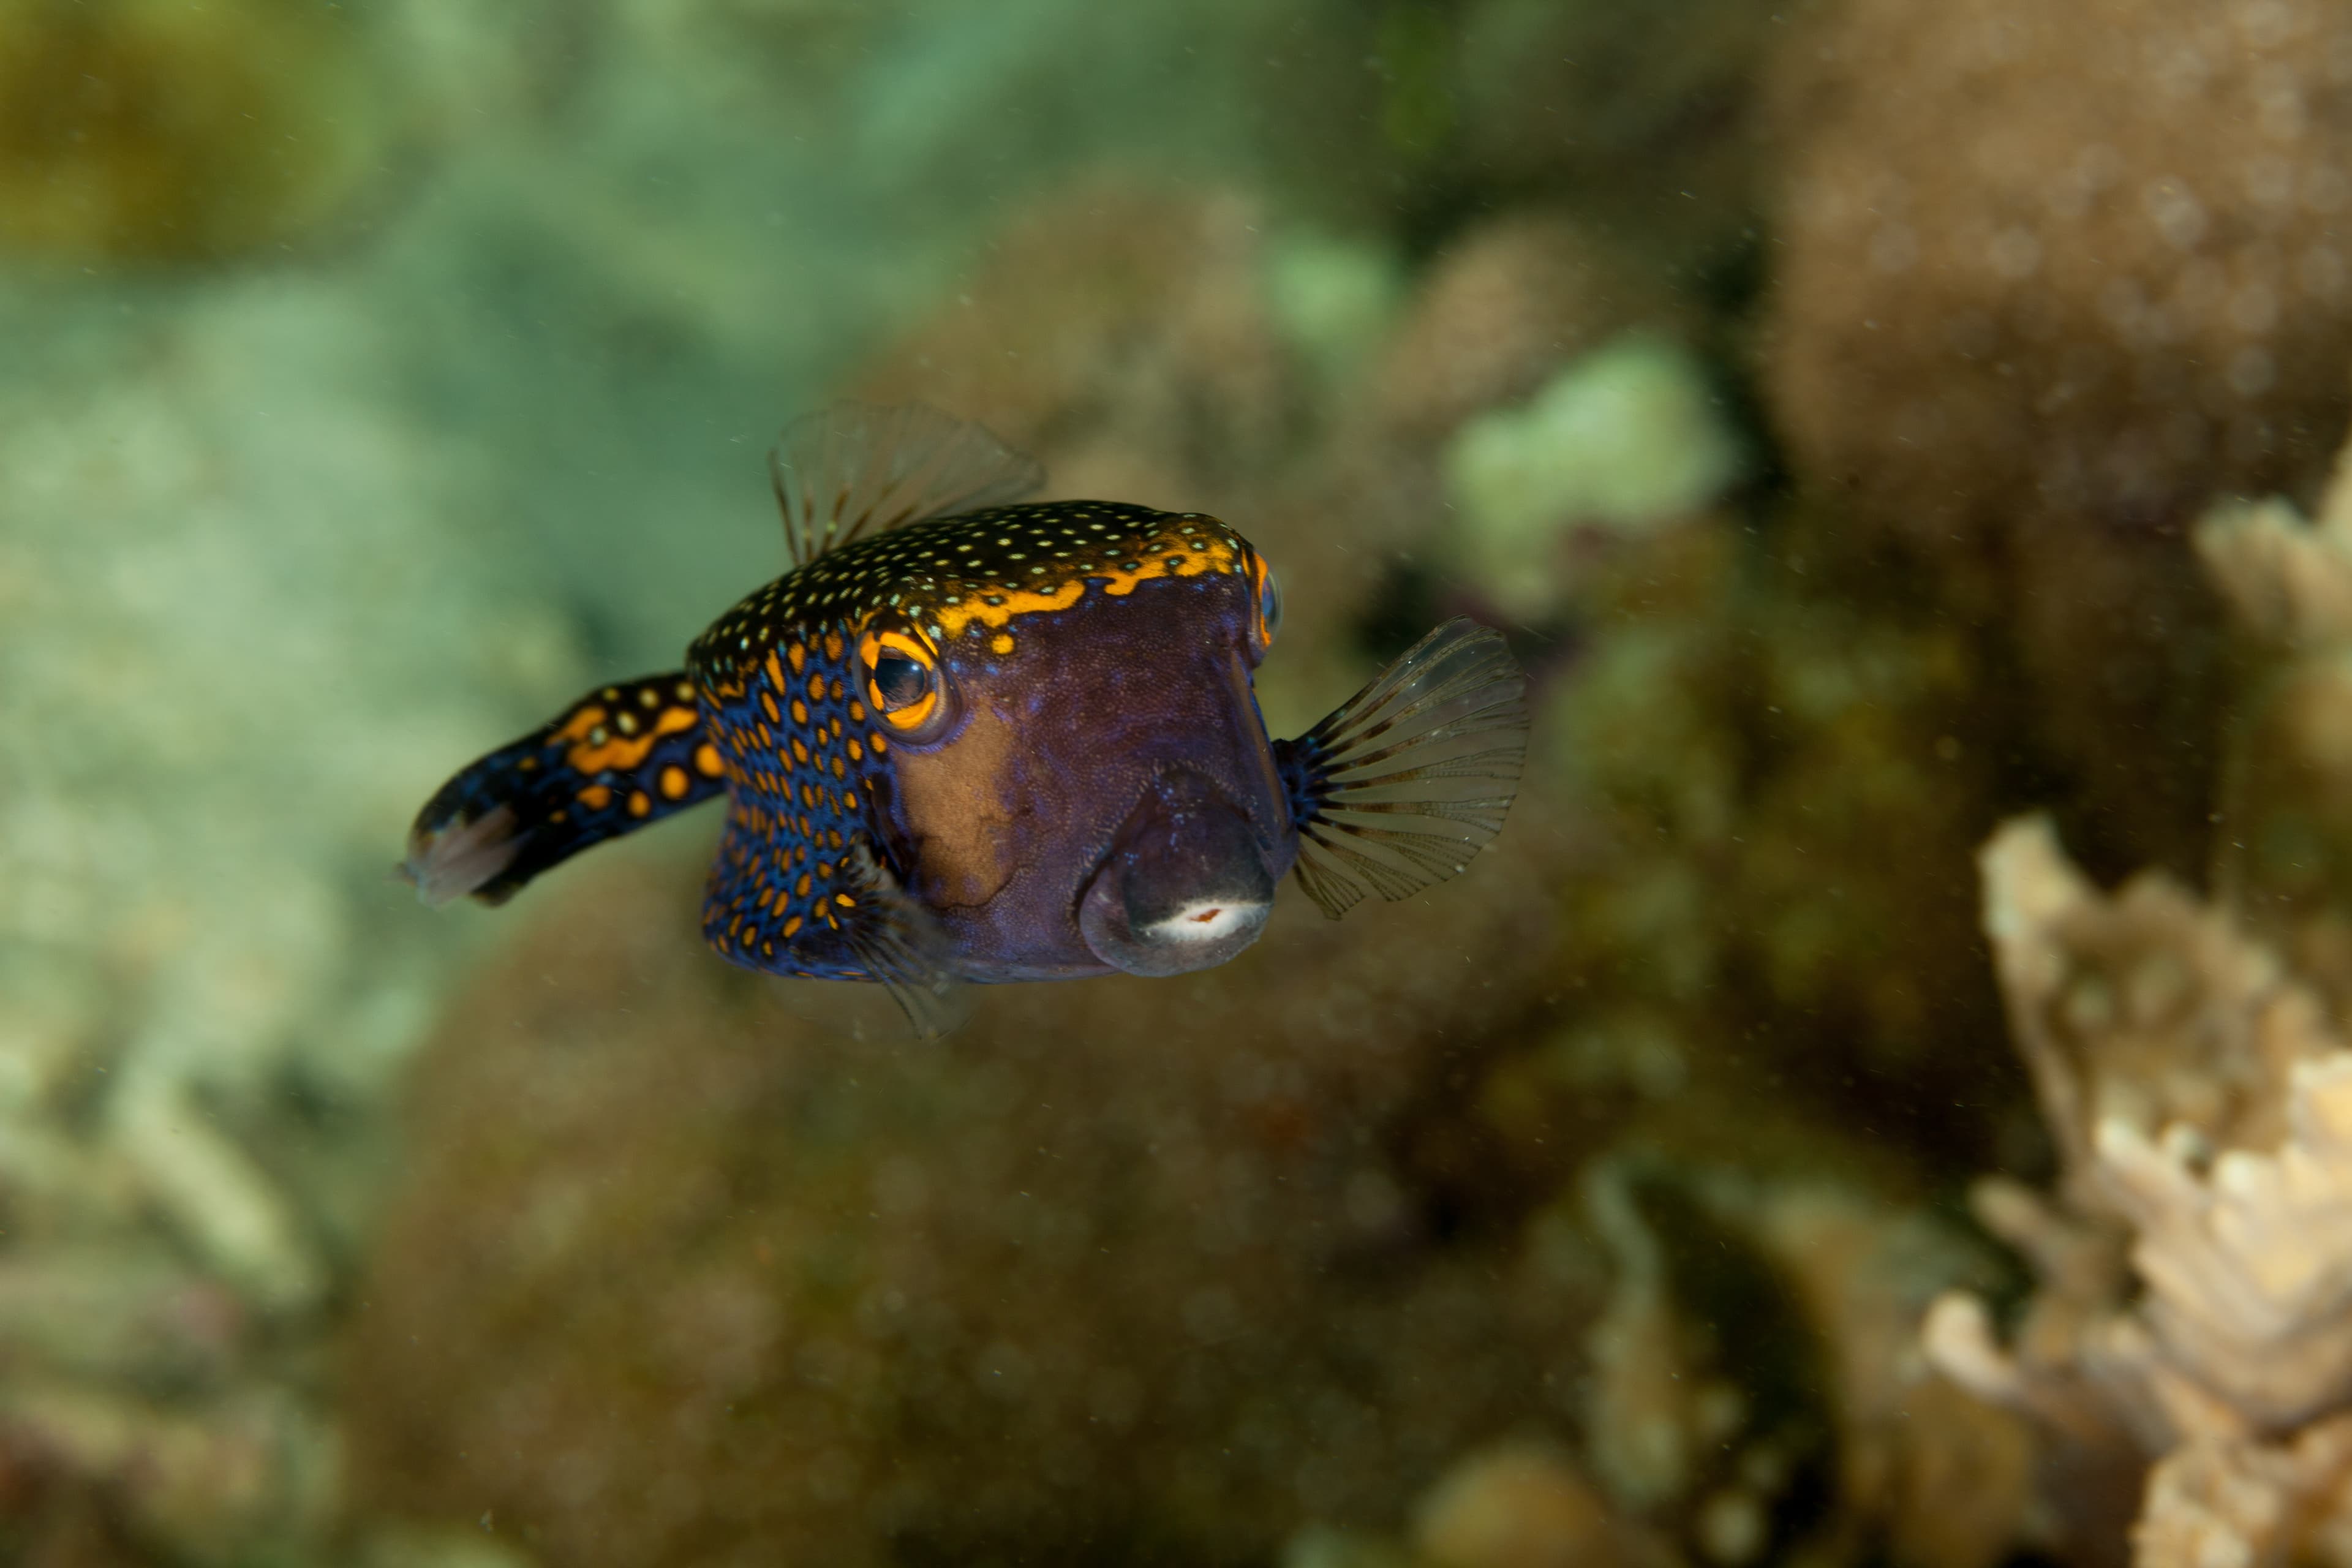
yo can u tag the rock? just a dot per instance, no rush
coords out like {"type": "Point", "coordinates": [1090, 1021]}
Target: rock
{"type": "Point", "coordinates": [1627, 440]}
{"type": "Point", "coordinates": [1504, 306]}
{"type": "Point", "coordinates": [1520, 1506]}
{"type": "Point", "coordinates": [146, 131]}
{"type": "Point", "coordinates": [2029, 271]}
{"type": "Point", "coordinates": [1123, 1268]}
{"type": "Point", "coordinates": [2041, 297]}
{"type": "Point", "coordinates": [1123, 332]}
{"type": "Point", "coordinates": [1647, 113]}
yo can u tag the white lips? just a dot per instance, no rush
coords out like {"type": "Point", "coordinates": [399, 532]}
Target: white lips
{"type": "Point", "coordinates": [1204, 921]}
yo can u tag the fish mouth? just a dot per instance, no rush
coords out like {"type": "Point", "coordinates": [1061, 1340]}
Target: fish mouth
{"type": "Point", "coordinates": [1184, 885]}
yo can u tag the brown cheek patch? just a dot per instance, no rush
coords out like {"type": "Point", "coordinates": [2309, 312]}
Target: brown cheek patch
{"type": "Point", "coordinates": [950, 804]}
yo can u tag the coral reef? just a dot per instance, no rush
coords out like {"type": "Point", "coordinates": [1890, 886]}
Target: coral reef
{"type": "Point", "coordinates": [285, 538]}
{"type": "Point", "coordinates": [1620, 106]}
{"type": "Point", "coordinates": [1500, 309]}
{"type": "Point", "coordinates": [142, 130]}
{"type": "Point", "coordinates": [375, 374]}
{"type": "Point", "coordinates": [1752, 1393]}
{"type": "Point", "coordinates": [2288, 583]}
{"type": "Point", "coordinates": [1742, 738]}
{"type": "Point", "coordinates": [197, 999]}
{"type": "Point", "coordinates": [2026, 272]}
{"type": "Point", "coordinates": [2201, 1100]}
{"type": "Point", "coordinates": [1625, 440]}
{"type": "Point", "coordinates": [2037, 299]}
{"type": "Point", "coordinates": [1522, 1506]}
{"type": "Point", "coordinates": [678, 1275]}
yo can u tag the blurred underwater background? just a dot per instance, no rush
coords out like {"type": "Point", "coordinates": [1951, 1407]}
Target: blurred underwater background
{"type": "Point", "coordinates": [1885, 1100]}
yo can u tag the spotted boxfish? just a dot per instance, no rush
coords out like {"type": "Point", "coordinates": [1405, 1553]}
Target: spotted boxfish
{"type": "Point", "coordinates": [967, 737]}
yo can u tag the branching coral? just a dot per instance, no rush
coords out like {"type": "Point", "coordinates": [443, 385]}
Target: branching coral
{"type": "Point", "coordinates": [2287, 580]}
{"type": "Point", "coordinates": [2249, 1264]}
{"type": "Point", "coordinates": [2143, 1011]}
{"type": "Point", "coordinates": [2201, 1101]}
{"type": "Point", "coordinates": [2286, 864]}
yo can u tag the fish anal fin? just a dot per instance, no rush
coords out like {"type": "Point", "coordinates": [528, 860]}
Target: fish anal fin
{"type": "Point", "coordinates": [1398, 787]}
{"type": "Point", "coordinates": [859, 468]}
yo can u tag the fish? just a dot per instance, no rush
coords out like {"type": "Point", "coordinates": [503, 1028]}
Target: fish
{"type": "Point", "coordinates": [968, 737]}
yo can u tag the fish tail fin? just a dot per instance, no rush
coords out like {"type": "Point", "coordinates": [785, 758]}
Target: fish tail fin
{"type": "Point", "coordinates": [619, 758]}
{"type": "Point", "coordinates": [1400, 785]}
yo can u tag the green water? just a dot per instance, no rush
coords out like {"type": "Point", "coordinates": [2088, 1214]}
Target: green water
{"type": "Point", "coordinates": [1851, 414]}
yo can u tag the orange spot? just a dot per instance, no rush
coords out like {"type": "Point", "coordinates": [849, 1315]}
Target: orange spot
{"type": "Point", "coordinates": [623, 754]}
{"type": "Point", "coordinates": [580, 723]}
{"type": "Point", "coordinates": [800, 712]}
{"type": "Point", "coordinates": [836, 690]}
{"type": "Point", "coordinates": [816, 685]}
{"type": "Point", "coordinates": [792, 927]}
{"type": "Point", "coordinates": [640, 803]}
{"type": "Point", "coordinates": [874, 739]}
{"type": "Point", "coordinates": [857, 711]}
{"type": "Point", "coordinates": [840, 770]}
{"type": "Point", "coordinates": [833, 645]}
{"type": "Point", "coordinates": [844, 900]}
{"type": "Point", "coordinates": [708, 762]}
{"type": "Point", "coordinates": [954, 618]}
{"type": "Point", "coordinates": [596, 797]}
{"type": "Point", "coordinates": [1157, 556]}
{"type": "Point", "coordinates": [799, 748]}
{"type": "Point", "coordinates": [672, 782]}
{"type": "Point", "coordinates": [768, 702]}
{"type": "Point", "coordinates": [802, 887]}
{"type": "Point", "coordinates": [849, 801]}
{"type": "Point", "coordinates": [856, 752]}
{"type": "Point", "coordinates": [798, 654]}
{"type": "Point", "coordinates": [775, 670]}
{"type": "Point", "coordinates": [1000, 643]}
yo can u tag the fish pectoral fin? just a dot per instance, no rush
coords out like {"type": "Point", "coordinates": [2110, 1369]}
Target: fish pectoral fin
{"type": "Point", "coordinates": [1400, 785]}
{"type": "Point", "coordinates": [620, 757]}
{"type": "Point", "coordinates": [902, 944]}
{"type": "Point", "coordinates": [856, 469]}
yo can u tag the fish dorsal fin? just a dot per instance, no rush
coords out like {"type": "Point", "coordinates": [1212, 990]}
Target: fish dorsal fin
{"type": "Point", "coordinates": [857, 469]}
{"type": "Point", "coordinates": [1405, 781]}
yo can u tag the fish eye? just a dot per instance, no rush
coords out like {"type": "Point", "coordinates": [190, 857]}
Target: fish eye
{"type": "Point", "coordinates": [902, 679]}
{"type": "Point", "coordinates": [1266, 601]}
{"type": "Point", "coordinates": [899, 681]}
